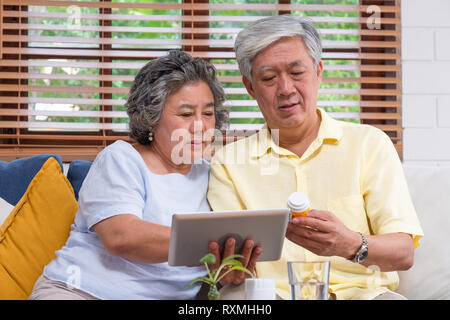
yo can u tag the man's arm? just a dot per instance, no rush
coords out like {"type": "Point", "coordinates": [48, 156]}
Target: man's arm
{"type": "Point", "coordinates": [322, 233]}
{"type": "Point", "coordinates": [222, 194]}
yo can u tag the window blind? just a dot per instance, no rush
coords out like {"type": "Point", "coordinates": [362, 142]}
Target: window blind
{"type": "Point", "coordinates": [66, 66]}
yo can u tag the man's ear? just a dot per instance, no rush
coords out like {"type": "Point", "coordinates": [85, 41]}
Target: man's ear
{"type": "Point", "coordinates": [319, 71]}
{"type": "Point", "coordinates": [248, 85]}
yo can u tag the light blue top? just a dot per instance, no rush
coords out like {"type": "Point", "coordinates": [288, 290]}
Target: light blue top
{"type": "Point", "coordinates": [120, 182]}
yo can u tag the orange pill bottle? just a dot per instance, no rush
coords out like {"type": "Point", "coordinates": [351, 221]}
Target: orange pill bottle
{"type": "Point", "coordinates": [299, 204]}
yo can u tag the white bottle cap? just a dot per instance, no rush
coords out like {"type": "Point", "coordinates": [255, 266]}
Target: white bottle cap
{"type": "Point", "coordinates": [259, 289]}
{"type": "Point", "coordinates": [298, 202]}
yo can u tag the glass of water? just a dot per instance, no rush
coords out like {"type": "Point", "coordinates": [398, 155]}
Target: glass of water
{"type": "Point", "coordinates": [308, 280]}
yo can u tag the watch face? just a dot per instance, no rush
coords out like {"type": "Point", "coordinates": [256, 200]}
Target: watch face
{"type": "Point", "coordinates": [363, 256]}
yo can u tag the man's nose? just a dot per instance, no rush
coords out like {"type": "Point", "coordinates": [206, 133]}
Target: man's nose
{"type": "Point", "coordinates": [285, 86]}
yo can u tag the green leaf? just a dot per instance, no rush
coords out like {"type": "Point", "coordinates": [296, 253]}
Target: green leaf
{"type": "Point", "coordinates": [209, 258]}
{"type": "Point", "coordinates": [232, 263]}
{"type": "Point", "coordinates": [202, 279]}
{"type": "Point", "coordinates": [229, 261]}
{"type": "Point", "coordinates": [232, 257]}
{"type": "Point", "coordinates": [240, 268]}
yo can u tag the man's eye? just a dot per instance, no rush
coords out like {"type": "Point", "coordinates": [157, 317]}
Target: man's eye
{"type": "Point", "coordinates": [297, 73]}
{"type": "Point", "coordinates": [209, 114]}
{"type": "Point", "coordinates": [186, 114]}
{"type": "Point", "coordinates": [268, 78]}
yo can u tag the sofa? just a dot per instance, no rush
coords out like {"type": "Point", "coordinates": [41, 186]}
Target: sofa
{"type": "Point", "coordinates": [38, 203]}
{"type": "Point", "coordinates": [429, 278]}
{"type": "Point", "coordinates": [30, 187]}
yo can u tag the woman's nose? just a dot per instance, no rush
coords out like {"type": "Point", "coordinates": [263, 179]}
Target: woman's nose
{"type": "Point", "coordinates": [196, 126]}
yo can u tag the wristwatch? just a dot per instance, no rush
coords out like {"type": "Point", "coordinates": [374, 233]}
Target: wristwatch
{"type": "Point", "coordinates": [362, 252]}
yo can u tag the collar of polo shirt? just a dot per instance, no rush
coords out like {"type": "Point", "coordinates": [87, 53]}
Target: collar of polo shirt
{"type": "Point", "coordinates": [329, 132]}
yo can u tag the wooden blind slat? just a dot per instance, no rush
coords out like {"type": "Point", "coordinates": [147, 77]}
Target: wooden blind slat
{"type": "Point", "coordinates": [64, 125]}
{"type": "Point", "coordinates": [201, 6]}
{"type": "Point", "coordinates": [200, 54]}
{"type": "Point", "coordinates": [179, 18]}
{"type": "Point", "coordinates": [178, 30]}
{"type": "Point", "coordinates": [65, 137]}
{"type": "Point", "coordinates": [122, 114]}
{"type": "Point", "coordinates": [137, 66]}
{"type": "Point", "coordinates": [184, 42]}
{"type": "Point", "coordinates": [85, 89]}
{"type": "Point", "coordinates": [229, 103]}
{"type": "Point", "coordinates": [60, 76]}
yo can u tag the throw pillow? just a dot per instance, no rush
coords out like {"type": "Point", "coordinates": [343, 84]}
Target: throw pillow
{"type": "Point", "coordinates": [38, 226]}
{"type": "Point", "coordinates": [17, 175]}
{"type": "Point", "coordinates": [5, 210]}
{"type": "Point", "coordinates": [78, 170]}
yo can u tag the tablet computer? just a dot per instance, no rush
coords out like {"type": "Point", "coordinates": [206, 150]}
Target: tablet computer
{"type": "Point", "coordinates": [192, 232]}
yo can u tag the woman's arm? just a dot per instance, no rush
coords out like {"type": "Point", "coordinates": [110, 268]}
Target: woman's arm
{"type": "Point", "coordinates": [132, 238]}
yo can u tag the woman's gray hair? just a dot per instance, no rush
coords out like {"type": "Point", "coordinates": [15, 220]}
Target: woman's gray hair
{"type": "Point", "coordinates": [261, 33]}
{"type": "Point", "coordinates": [159, 79]}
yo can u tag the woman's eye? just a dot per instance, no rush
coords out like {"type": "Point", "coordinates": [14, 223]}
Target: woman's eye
{"type": "Point", "coordinates": [186, 115]}
{"type": "Point", "coordinates": [209, 114]}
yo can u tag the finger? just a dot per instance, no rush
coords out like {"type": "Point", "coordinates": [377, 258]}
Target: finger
{"type": "Point", "coordinates": [228, 251]}
{"type": "Point", "coordinates": [312, 223]}
{"type": "Point", "coordinates": [229, 247]}
{"type": "Point", "coordinates": [251, 266]}
{"type": "Point", "coordinates": [254, 258]}
{"type": "Point", "coordinates": [320, 215]}
{"type": "Point", "coordinates": [214, 249]}
{"type": "Point", "coordinates": [307, 232]}
{"type": "Point", "coordinates": [306, 243]}
{"type": "Point", "coordinates": [239, 276]}
{"type": "Point", "coordinates": [246, 251]}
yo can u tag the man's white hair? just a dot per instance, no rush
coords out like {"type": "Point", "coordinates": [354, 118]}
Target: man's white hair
{"type": "Point", "coordinates": [262, 33]}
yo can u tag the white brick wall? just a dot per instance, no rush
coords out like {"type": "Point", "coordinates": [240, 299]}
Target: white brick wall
{"type": "Point", "coordinates": [425, 13]}
{"type": "Point", "coordinates": [426, 81]}
{"type": "Point", "coordinates": [443, 111]}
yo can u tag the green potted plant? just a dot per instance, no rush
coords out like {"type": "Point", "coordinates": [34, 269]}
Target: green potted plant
{"type": "Point", "coordinates": [214, 276]}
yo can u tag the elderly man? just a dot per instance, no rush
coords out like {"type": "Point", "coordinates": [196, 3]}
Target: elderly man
{"type": "Point", "coordinates": [363, 220]}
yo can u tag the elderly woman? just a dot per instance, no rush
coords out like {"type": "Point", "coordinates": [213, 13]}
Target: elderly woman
{"type": "Point", "coordinates": [119, 244]}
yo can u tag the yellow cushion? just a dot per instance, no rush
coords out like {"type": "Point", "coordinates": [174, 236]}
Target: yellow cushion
{"type": "Point", "coordinates": [38, 226]}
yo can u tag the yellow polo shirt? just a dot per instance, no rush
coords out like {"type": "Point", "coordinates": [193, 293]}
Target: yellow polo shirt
{"type": "Point", "coordinates": [351, 170]}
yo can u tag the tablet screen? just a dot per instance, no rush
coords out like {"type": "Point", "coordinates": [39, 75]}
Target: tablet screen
{"type": "Point", "coordinates": [192, 232]}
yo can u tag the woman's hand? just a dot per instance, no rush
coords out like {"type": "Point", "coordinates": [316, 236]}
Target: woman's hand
{"type": "Point", "coordinates": [250, 253]}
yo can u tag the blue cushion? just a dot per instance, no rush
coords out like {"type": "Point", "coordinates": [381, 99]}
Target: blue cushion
{"type": "Point", "coordinates": [16, 175]}
{"type": "Point", "coordinates": [78, 170]}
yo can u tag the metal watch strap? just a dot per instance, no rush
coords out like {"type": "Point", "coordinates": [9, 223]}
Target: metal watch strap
{"type": "Point", "coordinates": [363, 248]}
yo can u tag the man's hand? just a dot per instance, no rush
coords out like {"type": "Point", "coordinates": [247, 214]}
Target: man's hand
{"type": "Point", "coordinates": [249, 252]}
{"type": "Point", "coordinates": [322, 233]}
